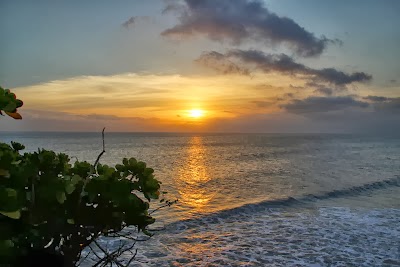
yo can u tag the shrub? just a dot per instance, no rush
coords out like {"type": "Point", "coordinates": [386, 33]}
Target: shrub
{"type": "Point", "coordinates": [48, 203]}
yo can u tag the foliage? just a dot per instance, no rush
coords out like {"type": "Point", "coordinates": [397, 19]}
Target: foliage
{"type": "Point", "coordinates": [46, 202]}
{"type": "Point", "coordinates": [44, 198]}
{"type": "Point", "coordinates": [9, 103]}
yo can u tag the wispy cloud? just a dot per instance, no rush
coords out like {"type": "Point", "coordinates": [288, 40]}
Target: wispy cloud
{"type": "Point", "coordinates": [280, 63]}
{"type": "Point", "coordinates": [385, 104]}
{"type": "Point", "coordinates": [220, 63]}
{"type": "Point", "coordinates": [374, 98]}
{"type": "Point", "coordinates": [323, 104]}
{"type": "Point", "coordinates": [145, 95]}
{"type": "Point", "coordinates": [324, 91]}
{"type": "Point", "coordinates": [132, 21]}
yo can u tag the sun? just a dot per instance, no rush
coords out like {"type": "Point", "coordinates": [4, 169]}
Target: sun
{"type": "Point", "coordinates": [196, 113]}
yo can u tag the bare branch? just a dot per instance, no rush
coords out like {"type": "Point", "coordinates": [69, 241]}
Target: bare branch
{"type": "Point", "coordinates": [94, 252]}
{"type": "Point", "coordinates": [108, 255]}
{"type": "Point", "coordinates": [93, 170]}
{"type": "Point", "coordinates": [132, 258]}
{"type": "Point", "coordinates": [113, 256]}
{"type": "Point", "coordinates": [167, 204]}
{"type": "Point", "coordinates": [102, 152]}
{"type": "Point", "coordinates": [83, 259]}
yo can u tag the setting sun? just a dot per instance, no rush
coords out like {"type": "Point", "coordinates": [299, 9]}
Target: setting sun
{"type": "Point", "coordinates": [196, 113]}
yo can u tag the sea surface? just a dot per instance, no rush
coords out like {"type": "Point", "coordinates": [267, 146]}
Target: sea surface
{"type": "Point", "coordinates": [257, 199]}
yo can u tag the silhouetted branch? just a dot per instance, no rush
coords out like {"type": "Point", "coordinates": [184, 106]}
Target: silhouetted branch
{"type": "Point", "coordinates": [167, 204]}
{"type": "Point", "coordinates": [102, 152]}
{"type": "Point", "coordinates": [109, 257]}
{"type": "Point", "coordinates": [132, 258]}
{"type": "Point", "coordinates": [83, 259]}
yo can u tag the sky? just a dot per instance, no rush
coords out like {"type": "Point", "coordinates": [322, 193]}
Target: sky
{"type": "Point", "coordinates": [202, 65]}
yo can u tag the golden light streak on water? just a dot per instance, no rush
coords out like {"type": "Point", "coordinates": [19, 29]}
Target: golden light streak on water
{"type": "Point", "coordinates": [193, 176]}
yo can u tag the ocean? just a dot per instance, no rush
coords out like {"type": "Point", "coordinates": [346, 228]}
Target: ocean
{"type": "Point", "coordinates": [258, 199]}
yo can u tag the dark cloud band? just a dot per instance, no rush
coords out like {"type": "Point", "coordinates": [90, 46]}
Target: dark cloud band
{"type": "Point", "coordinates": [243, 20]}
{"type": "Point", "coordinates": [323, 104]}
{"type": "Point", "coordinates": [278, 63]}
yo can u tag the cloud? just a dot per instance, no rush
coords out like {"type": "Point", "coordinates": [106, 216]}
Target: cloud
{"type": "Point", "coordinates": [132, 21]}
{"type": "Point", "coordinates": [391, 105]}
{"type": "Point", "coordinates": [144, 102]}
{"type": "Point", "coordinates": [129, 22]}
{"type": "Point", "coordinates": [220, 63]}
{"type": "Point", "coordinates": [314, 104]}
{"type": "Point", "coordinates": [338, 77]}
{"type": "Point", "coordinates": [284, 64]}
{"type": "Point", "coordinates": [243, 20]}
{"type": "Point", "coordinates": [374, 98]}
{"type": "Point", "coordinates": [149, 95]}
{"type": "Point", "coordinates": [45, 120]}
{"type": "Point", "coordinates": [324, 91]}
{"type": "Point", "coordinates": [384, 104]}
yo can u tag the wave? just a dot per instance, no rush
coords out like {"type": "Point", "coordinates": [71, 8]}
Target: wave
{"type": "Point", "coordinates": [355, 190]}
{"type": "Point", "coordinates": [347, 192]}
{"type": "Point", "coordinates": [301, 200]}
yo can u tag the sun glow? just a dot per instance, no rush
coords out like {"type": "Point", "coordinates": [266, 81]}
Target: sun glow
{"type": "Point", "coordinates": [196, 113]}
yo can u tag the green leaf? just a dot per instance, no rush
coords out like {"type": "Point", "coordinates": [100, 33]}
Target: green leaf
{"type": "Point", "coordinates": [11, 192]}
{"type": "Point", "coordinates": [76, 179]}
{"type": "Point", "coordinates": [61, 197]}
{"type": "Point", "coordinates": [141, 165]}
{"type": "Point", "coordinates": [69, 187]}
{"type": "Point", "coordinates": [148, 171]}
{"type": "Point", "coordinates": [13, 215]}
{"type": "Point", "coordinates": [10, 107]}
{"type": "Point", "coordinates": [70, 221]}
{"type": "Point", "coordinates": [17, 146]}
{"type": "Point", "coordinates": [132, 161]}
{"type": "Point", "coordinates": [119, 167]}
{"type": "Point", "coordinates": [19, 103]}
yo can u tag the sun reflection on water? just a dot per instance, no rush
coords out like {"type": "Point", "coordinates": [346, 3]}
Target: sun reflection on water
{"type": "Point", "coordinates": [193, 177]}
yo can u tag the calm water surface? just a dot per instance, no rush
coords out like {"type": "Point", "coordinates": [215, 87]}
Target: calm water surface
{"type": "Point", "coordinates": [260, 199]}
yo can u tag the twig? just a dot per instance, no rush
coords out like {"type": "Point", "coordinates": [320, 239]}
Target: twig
{"type": "Point", "coordinates": [94, 252]}
{"type": "Point", "coordinates": [82, 260]}
{"type": "Point", "coordinates": [92, 172]}
{"type": "Point", "coordinates": [102, 152]}
{"type": "Point", "coordinates": [112, 257]}
{"type": "Point", "coordinates": [109, 256]}
{"type": "Point", "coordinates": [74, 157]}
{"type": "Point", "coordinates": [127, 236]}
{"type": "Point", "coordinates": [132, 258]}
{"type": "Point", "coordinates": [106, 257]}
{"type": "Point", "coordinates": [168, 204]}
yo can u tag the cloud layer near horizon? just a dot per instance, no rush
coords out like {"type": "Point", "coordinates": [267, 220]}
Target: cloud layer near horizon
{"type": "Point", "coordinates": [140, 102]}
